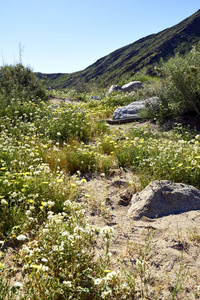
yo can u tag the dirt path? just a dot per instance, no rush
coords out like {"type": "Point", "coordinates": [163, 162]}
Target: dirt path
{"type": "Point", "coordinates": [58, 101]}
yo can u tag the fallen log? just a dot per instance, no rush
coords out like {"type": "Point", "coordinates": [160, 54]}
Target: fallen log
{"type": "Point", "coordinates": [123, 121]}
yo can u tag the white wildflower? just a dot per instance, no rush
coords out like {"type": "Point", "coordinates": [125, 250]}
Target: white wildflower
{"type": "Point", "coordinates": [14, 194]}
{"type": "Point", "coordinates": [44, 259]}
{"type": "Point", "coordinates": [98, 281]}
{"type": "Point", "coordinates": [68, 202]}
{"type": "Point", "coordinates": [107, 230]}
{"type": "Point", "coordinates": [65, 233]}
{"type": "Point", "coordinates": [67, 283]}
{"type": "Point", "coordinates": [55, 248]}
{"type": "Point", "coordinates": [112, 275]}
{"type": "Point", "coordinates": [4, 202]}
{"type": "Point", "coordinates": [106, 293]}
{"type": "Point", "coordinates": [197, 137]}
{"type": "Point", "coordinates": [17, 284]}
{"type": "Point", "coordinates": [50, 203]}
{"type": "Point", "coordinates": [21, 237]}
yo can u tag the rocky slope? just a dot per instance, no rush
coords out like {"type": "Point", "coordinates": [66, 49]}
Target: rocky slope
{"type": "Point", "coordinates": [144, 53]}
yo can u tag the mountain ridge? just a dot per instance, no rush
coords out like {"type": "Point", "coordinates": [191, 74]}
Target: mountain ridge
{"type": "Point", "coordinates": [129, 59]}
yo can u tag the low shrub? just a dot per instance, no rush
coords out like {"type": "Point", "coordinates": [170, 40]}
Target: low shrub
{"type": "Point", "coordinates": [68, 123]}
{"type": "Point", "coordinates": [182, 81]}
{"type": "Point", "coordinates": [181, 87]}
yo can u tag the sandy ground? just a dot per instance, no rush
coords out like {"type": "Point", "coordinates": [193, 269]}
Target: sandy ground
{"type": "Point", "coordinates": [173, 255]}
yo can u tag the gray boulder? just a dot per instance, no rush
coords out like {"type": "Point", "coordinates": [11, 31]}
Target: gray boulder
{"type": "Point", "coordinates": [128, 87]}
{"type": "Point", "coordinates": [131, 110]}
{"type": "Point", "coordinates": [163, 197]}
{"type": "Point", "coordinates": [114, 88]}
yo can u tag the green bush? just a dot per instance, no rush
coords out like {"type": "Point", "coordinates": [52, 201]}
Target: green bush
{"type": "Point", "coordinates": [20, 82]}
{"type": "Point", "coordinates": [180, 92]}
{"type": "Point", "coordinates": [161, 110]}
{"type": "Point", "coordinates": [182, 79]}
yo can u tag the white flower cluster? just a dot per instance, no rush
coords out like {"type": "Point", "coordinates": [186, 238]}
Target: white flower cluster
{"type": "Point", "coordinates": [109, 277]}
{"type": "Point", "coordinates": [107, 230]}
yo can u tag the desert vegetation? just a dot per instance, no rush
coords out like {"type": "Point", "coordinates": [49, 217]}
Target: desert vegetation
{"type": "Point", "coordinates": [47, 154]}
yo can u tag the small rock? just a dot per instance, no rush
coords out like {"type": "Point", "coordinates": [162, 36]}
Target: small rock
{"type": "Point", "coordinates": [125, 197]}
{"type": "Point", "coordinates": [119, 183]}
{"type": "Point", "coordinates": [128, 87]}
{"type": "Point", "coordinates": [114, 88]}
{"type": "Point", "coordinates": [109, 201]}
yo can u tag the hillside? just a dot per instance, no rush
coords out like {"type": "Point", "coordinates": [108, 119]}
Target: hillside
{"type": "Point", "coordinates": [126, 61]}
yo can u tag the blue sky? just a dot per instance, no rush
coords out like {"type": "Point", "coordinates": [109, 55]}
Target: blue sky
{"type": "Point", "coordinates": [62, 36]}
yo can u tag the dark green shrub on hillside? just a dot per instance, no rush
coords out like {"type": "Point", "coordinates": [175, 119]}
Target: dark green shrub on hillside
{"type": "Point", "coordinates": [180, 87]}
{"type": "Point", "coordinates": [19, 82]}
{"type": "Point", "coordinates": [182, 81]}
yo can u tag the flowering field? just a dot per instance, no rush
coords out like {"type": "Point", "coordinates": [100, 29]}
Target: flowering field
{"type": "Point", "coordinates": [46, 153]}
